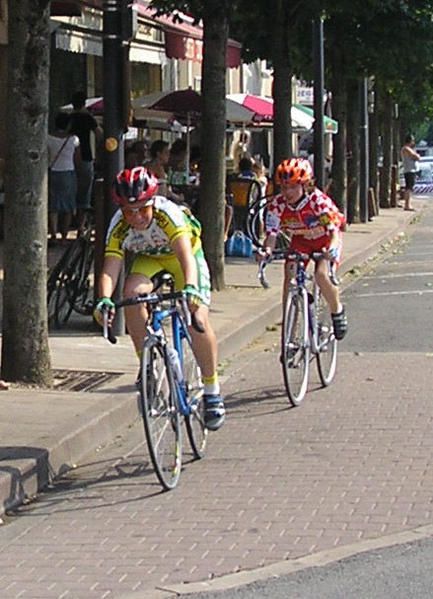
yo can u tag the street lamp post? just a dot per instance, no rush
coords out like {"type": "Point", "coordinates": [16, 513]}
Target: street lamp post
{"type": "Point", "coordinates": [113, 64]}
{"type": "Point", "coordinates": [114, 97]}
{"type": "Point", "coordinates": [319, 76]}
{"type": "Point", "coordinates": [364, 158]}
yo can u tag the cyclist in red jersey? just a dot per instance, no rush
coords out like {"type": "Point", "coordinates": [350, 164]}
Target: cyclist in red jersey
{"type": "Point", "coordinates": [314, 223]}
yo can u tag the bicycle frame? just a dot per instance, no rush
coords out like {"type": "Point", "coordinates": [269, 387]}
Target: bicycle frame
{"type": "Point", "coordinates": [299, 285]}
{"type": "Point", "coordinates": [179, 331]}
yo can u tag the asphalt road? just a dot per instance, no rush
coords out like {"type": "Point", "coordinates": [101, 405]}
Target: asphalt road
{"type": "Point", "coordinates": [399, 572]}
{"type": "Point", "coordinates": [392, 306]}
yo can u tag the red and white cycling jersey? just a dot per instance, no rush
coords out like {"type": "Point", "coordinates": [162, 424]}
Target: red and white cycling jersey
{"type": "Point", "coordinates": [314, 217]}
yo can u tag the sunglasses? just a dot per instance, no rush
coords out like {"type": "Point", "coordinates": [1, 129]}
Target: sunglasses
{"type": "Point", "coordinates": [130, 211]}
{"type": "Point", "coordinates": [286, 183]}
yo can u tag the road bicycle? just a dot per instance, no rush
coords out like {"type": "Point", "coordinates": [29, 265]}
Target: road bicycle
{"type": "Point", "coordinates": [169, 382]}
{"type": "Point", "coordinates": [69, 282]}
{"type": "Point", "coordinates": [307, 330]}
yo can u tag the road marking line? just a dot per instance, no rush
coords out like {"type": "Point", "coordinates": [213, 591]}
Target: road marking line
{"type": "Point", "coordinates": [384, 293]}
{"type": "Point", "coordinates": [415, 254]}
{"type": "Point", "coordinates": [396, 276]}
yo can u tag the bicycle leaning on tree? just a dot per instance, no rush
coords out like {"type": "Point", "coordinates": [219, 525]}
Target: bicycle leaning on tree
{"type": "Point", "coordinates": [69, 282]}
{"type": "Point", "coordinates": [169, 382]}
{"type": "Point", "coordinates": [307, 330]}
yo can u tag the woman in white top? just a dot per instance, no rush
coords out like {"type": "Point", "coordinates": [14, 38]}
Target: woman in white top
{"type": "Point", "coordinates": [63, 156]}
{"type": "Point", "coordinates": [410, 167]}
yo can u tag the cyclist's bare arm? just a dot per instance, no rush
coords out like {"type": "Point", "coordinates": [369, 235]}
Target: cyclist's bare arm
{"type": "Point", "coordinates": [333, 245]}
{"type": "Point", "coordinates": [109, 276]}
{"type": "Point", "coordinates": [182, 248]}
{"type": "Point", "coordinates": [268, 247]}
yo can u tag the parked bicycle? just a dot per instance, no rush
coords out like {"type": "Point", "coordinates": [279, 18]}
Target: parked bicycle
{"type": "Point", "coordinates": [255, 224]}
{"type": "Point", "coordinates": [169, 383]}
{"type": "Point", "coordinates": [69, 282]}
{"type": "Point", "coordinates": [307, 328]}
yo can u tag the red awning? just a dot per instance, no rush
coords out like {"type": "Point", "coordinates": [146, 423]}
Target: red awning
{"type": "Point", "coordinates": [185, 41]}
{"type": "Point", "coordinates": [65, 8]}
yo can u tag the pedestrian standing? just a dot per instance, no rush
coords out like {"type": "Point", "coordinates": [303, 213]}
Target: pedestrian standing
{"type": "Point", "coordinates": [64, 158]}
{"type": "Point", "coordinates": [410, 160]}
{"type": "Point", "coordinates": [82, 124]}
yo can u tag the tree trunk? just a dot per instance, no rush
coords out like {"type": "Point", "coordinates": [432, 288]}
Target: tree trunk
{"type": "Point", "coordinates": [25, 351]}
{"type": "Point", "coordinates": [353, 161]}
{"type": "Point", "coordinates": [373, 147]}
{"type": "Point", "coordinates": [339, 111]}
{"type": "Point", "coordinates": [212, 181]}
{"type": "Point", "coordinates": [282, 86]}
{"type": "Point", "coordinates": [385, 176]}
{"type": "Point", "coordinates": [396, 141]}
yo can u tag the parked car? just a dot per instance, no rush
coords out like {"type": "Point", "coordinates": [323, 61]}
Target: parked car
{"type": "Point", "coordinates": [424, 177]}
{"type": "Point", "coordinates": [424, 150]}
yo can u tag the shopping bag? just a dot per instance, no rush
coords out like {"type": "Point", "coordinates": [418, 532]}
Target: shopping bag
{"type": "Point", "coordinates": [239, 245]}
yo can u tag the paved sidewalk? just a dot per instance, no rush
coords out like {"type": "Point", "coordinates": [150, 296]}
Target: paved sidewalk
{"type": "Point", "coordinates": [45, 432]}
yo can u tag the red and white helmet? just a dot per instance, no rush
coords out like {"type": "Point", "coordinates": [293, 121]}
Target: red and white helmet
{"type": "Point", "coordinates": [294, 171]}
{"type": "Point", "coordinates": [134, 186]}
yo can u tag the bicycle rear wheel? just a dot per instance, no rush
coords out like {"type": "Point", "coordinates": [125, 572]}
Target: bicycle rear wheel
{"type": "Point", "coordinates": [66, 291]}
{"type": "Point", "coordinates": [82, 304]}
{"type": "Point", "coordinates": [295, 348]}
{"type": "Point", "coordinates": [195, 426]}
{"type": "Point", "coordinates": [55, 277]}
{"type": "Point", "coordinates": [160, 413]}
{"type": "Point", "coordinates": [255, 222]}
{"type": "Point", "coordinates": [255, 225]}
{"type": "Point", "coordinates": [326, 358]}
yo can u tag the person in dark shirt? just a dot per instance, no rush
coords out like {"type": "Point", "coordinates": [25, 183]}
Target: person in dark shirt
{"type": "Point", "coordinates": [82, 124]}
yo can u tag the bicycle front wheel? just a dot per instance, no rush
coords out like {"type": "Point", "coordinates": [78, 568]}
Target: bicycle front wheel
{"type": "Point", "coordinates": [295, 348]}
{"type": "Point", "coordinates": [195, 425]}
{"type": "Point", "coordinates": [326, 356]}
{"type": "Point", "coordinates": [158, 398]}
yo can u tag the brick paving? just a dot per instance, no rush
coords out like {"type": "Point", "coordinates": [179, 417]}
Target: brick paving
{"type": "Point", "coordinates": [353, 463]}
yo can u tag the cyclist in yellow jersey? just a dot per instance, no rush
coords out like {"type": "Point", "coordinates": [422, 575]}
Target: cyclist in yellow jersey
{"type": "Point", "coordinates": [162, 237]}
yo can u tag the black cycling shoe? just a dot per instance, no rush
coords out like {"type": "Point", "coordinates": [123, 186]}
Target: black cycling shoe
{"type": "Point", "coordinates": [340, 325]}
{"type": "Point", "coordinates": [215, 411]}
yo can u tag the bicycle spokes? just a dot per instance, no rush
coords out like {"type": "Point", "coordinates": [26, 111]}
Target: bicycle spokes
{"type": "Point", "coordinates": [160, 413]}
{"type": "Point", "coordinates": [295, 349]}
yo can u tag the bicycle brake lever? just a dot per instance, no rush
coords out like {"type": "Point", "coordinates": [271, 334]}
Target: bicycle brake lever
{"type": "Point", "coordinates": [190, 318]}
{"type": "Point", "coordinates": [261, 275]}
{"type": "Point", "coordinates": [107, 332]}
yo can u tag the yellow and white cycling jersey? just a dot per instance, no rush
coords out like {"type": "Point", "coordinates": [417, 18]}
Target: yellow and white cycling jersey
{"type": "Point", "coordinates": [169, 222]}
